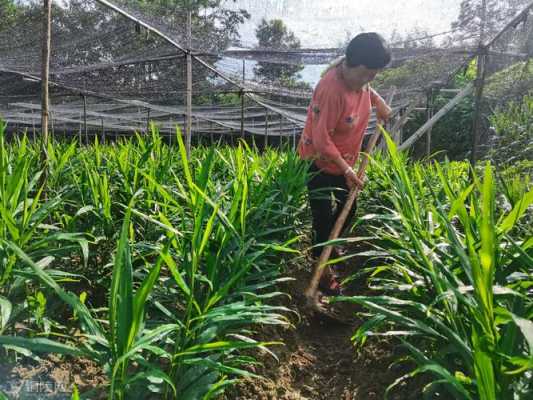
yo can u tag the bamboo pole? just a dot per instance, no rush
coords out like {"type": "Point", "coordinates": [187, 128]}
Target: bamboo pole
{"type": "Point", "coordinates": [33, 124]}
{"type": "Point", "coordinates": [148, 121]}
{"type": "Point", "coordinates": [429, 102]}
{"type": "Point", "coordinates": [266, 128]}
{"type": "Point", "coordinates": [242, 97]}
{"type": "Point", "coordinates": [79, 129]}
{"type": "Point", "coordinates": [188, 125]}
{"type": "Point", "coordinates": [85, 119]}
{"type": "Point", "coordinates": [311, 291]}
{"type": "Point", "coordinates": [467, 90]}
{"type": "Point", "coordinates": [479, 84]}
{"type": "Point", "coordinates": [396, 130]}
{"type": "Point", "coordinates": [52, 129]}
{"type": "Point", "coordinates": [45, 72]}
{"type": "Point", "coordinates": [280, 130]}
{"type": "Point", "coordinates": [390, 98]}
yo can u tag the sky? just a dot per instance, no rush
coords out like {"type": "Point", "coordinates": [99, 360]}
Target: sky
{"type": "Point", "coordinates": [327, 23]}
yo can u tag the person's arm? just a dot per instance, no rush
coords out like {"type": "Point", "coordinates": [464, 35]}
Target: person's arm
{"type": "Point", "coordinates": [383, 110]}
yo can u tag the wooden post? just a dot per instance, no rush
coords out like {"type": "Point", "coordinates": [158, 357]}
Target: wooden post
{"type": "Point", "coordinates": [442, 112]}
{"type": "Point", "coordinates": [139, 129]}
{"type": "Point", "coordinates": [45, 72]}
{"type": "Point", "coordinates": [479, 83]}
{"type": "Point", "coordinates": [266, 128]}
{"type": "Point", "coordinates": [429, 107]}
{"type": "Point", "coordinates": [394, 135]}
{"type": "Point", "coordinates": [85, 120]}
{"type": "Point", "coordinates": [52, 130]}
{"type": "Point", "coordinates": [79, 131]}
{"type": "Point", "coordinates": [33, 123]}
{"type": "Point", "coordinates": [103, 131]}
{"type": "Point", "coordinates": [188, 128]}
{"type": "Point", "coordinates": [242, 98]}
{"type": "Point", "coordinates": [293, 139]}
{"type": "Point", "coordinates": [148, 122]}
{"type": "Point", "coordinates": [171, 130]}
{"type": "Point", "coordinates": [198, 130]}
{"type": "Point", "coordinates": [396, 129]}
{"type": "Point", "coordinates": [280, 130]}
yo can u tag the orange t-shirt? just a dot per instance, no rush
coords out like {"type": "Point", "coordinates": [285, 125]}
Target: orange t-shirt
{"type": "Point", "coordinates": [336, 122]}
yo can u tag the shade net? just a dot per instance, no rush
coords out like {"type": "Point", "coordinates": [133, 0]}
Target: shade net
{"type": "Point", "coordinates": [116, 67]}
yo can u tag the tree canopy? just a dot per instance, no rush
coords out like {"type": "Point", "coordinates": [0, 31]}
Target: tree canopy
{"type": "Point", "coordinates": [274, 34]}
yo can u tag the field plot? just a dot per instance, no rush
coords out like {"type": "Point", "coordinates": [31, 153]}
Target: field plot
{"type": "Point", "coordinates": [158, 228]}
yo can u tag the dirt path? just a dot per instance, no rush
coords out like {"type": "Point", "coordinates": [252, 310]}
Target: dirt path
{"type": "Point", "coordinates": [319, 362]}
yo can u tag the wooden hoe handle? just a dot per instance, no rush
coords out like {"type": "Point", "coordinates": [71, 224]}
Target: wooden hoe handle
{"type": "Point", "coordinates": [335, 232]}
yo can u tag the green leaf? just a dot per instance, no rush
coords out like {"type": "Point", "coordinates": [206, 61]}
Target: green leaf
{"type": "Point", "coordinates": [516, 213]}
{"type": "Point", "coordinates": [121, 293]}
{"type": "Point", "coordinates": [75, 393]}
{"type": "Point", "coordinates": [72, 300]}
{"type": "Point", "coordinates": [222, 346]}
{"type": "Point", "coordinates": [141, 295]}
{"type": "Point", "coordinates": [42, 345]}
{"type": "Point", "coordinates": [526, 327]}
{"type": "Point", "coordinates": [5, 312]}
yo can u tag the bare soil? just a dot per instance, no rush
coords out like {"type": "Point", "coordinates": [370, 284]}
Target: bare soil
{"type": "Point", "coordinates": [319, 360]}
{"type": "Point", "coordinates": [50, 378]}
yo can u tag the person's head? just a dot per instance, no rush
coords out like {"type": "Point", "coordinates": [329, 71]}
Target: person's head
{"type": "Point", "coordinates": [366, 55]}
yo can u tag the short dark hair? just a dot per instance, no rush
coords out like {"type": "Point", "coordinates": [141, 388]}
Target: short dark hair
{"type": "Point", "coordinates": [368, 49]}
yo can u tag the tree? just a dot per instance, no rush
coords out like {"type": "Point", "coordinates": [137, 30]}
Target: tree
{"type": "Point", "coordinates": [87, 35]}
{"type": "Point", "coordinates": [498, 13]}
{"type": "Point", "coordinates": [415, 38]}
{"type": "Point", "coordinates": [274, 34]}
{"type": "Point", "coordinates": [9, 9]}
{"type": "Point", "coordinates": [214, 26]}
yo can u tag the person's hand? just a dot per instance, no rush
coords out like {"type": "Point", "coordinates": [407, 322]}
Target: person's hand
{"type": "Point", "coordinates": [383, 112]}
{"type": "Point", "coordinates": [352, 180]}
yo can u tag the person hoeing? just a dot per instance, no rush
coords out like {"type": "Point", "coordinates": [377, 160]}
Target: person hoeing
{"type": "Point", "coordinates": [337, 119]}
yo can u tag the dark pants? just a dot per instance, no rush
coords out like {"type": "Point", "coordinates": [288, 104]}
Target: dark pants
{"type": "Point", "coordinates": [327, 197]}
